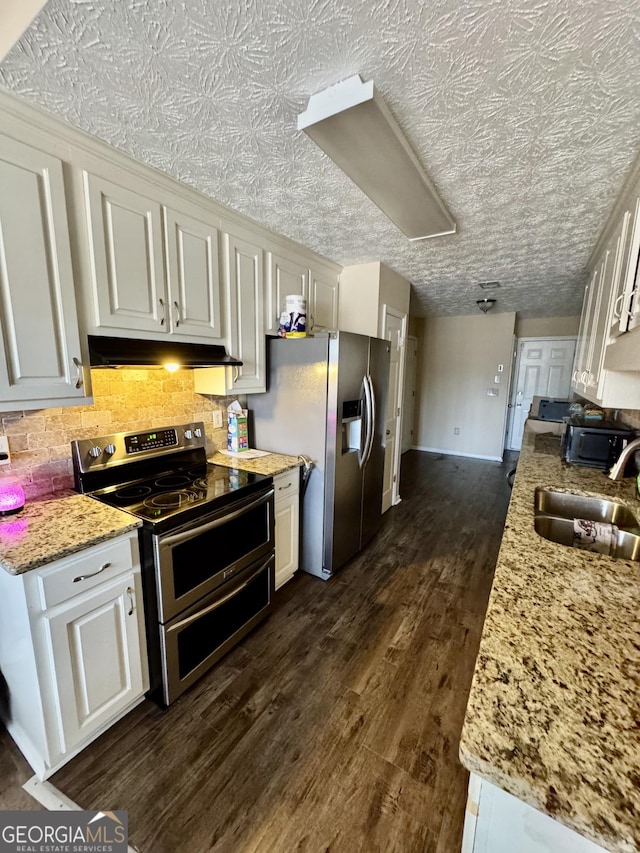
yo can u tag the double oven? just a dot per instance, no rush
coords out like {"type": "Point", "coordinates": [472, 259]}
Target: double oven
{"type": "Point", "coordinates": [206, 544]}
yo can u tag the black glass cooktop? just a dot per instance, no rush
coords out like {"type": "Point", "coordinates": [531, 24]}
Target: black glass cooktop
{"type": "Point", "coordinates": [179, 491]}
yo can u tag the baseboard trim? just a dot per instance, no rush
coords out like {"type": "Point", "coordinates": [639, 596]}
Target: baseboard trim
{"type": "Point", "coordinates": [456, 453]}
{"type": "Point", "coordinates": [54, 800]}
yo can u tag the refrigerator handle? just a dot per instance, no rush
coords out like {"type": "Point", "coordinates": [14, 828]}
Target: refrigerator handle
{"type": "Point", "coordinates": [371, 419]}
{"type": "Point", "coordinates": [366, 405]}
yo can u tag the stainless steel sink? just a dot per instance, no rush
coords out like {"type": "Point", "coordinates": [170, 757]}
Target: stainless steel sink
{"type": "Point", "coordinates": [560, 530]}
{"type": "Point", "coordinates": [568, 505]}
{"type": "Point", "coordinates": [555, 512]}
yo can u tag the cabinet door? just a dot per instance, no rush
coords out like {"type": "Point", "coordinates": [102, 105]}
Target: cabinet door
{"type": "Point", "coordinates": [621, 296]}
{"type": "Point", "coordinates": [585, 335]}
{"type": "Point", "coordinates": [629, 309]}
{"type": "Point", "coordinates": [244, 274]}
{"type": "Point", "coordinates": [40, 356]}
{"type": "Point", "coordinates": [125, 233]}
{"type": "Point", "coordinates": [287, 277]}
{"type": "Point", "coordinates": [287, 519]}
{"type": "Point", "coordinates": [322, 308]}
{"type": "Point", "coordinates": [97, 656]}
{"type": "Point", "coordinates": [193, 276]}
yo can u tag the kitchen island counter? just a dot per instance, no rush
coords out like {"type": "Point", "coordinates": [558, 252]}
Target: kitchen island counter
{"type": "Point", "coordinates": [552, 716]}
{"type": "Point", "coordinates": [48, 529]}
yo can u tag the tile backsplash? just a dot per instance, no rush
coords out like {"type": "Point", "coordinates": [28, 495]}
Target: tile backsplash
{"type": "Point", "coordinates": [125, 400]}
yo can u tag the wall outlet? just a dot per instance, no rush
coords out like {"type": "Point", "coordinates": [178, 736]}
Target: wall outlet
{"type": "Point", "coordinates": [456, 430]}
{"type": "Point", "coordinates": [217, 418]}
{"type": "Point", "coordinates": [5, 456]}
{"type": "Point", "coordinates": [493, 392]}
{"type": "Point", "coordinates": [496, 379]}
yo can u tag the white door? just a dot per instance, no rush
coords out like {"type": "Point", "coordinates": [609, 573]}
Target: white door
{"type": "Point", "coordinates": [543, 370]}
{"type": "Point", "coordinates": [409, 395]}
{"type": "Point", "coordinates": [393, 326]}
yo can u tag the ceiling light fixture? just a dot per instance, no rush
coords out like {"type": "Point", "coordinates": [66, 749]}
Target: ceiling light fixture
{"type": "Point", "coordinates": [485, 304]}
{"type": "Point", "coordinates": [353, 125]}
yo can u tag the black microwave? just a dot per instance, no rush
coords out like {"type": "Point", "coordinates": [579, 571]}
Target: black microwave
{"type": "Point", "coordinates": [594, 443]}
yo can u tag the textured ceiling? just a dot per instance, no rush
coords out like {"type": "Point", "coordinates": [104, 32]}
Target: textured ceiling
{"type": "Point", "coordinates": [524, 113]}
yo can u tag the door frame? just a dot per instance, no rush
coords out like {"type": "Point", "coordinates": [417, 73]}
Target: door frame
{"type": "Point", "coordinates": [409, 387]}
{"type": "Point", "coordinates": [513, 388]}
{"type": "Point", "coordinates": [389, 311]}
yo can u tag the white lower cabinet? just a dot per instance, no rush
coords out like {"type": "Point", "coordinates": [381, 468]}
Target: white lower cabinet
{"type": "Point", "coordinates": [497, 822]}
{"type": "Point", "coordinates": [287, 517]}
{"type": "Point", "coordinates": [72, 650]}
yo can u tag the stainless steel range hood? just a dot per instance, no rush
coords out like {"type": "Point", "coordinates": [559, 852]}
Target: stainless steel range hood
{"type": "Point", "coordinates": [131, 352]}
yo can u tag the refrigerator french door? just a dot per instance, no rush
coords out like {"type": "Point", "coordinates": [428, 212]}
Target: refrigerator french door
{"type": "Point", "coordinates": [326, 398]}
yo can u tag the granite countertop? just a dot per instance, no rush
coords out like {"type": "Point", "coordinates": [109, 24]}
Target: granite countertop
{"type": "Point", "coordinates": [554, 710]}
{"type": "Point", "coordinates": [273, 464]}
{"type": "Point", "coordinates": [49, 529]}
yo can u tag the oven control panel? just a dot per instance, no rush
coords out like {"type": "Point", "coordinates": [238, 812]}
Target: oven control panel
{"type": "Point", "coordinates": [150, 440]}
{"type": "Point", "coordinates": [97, 454]}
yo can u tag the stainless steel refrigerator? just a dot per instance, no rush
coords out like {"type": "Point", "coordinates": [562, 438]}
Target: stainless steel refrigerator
{"type": "Point", "coordinates": [326, 398]}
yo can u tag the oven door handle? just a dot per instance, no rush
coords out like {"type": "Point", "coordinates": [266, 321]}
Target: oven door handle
{"type": "Point", "coordinates": [177, 538]}
{"type": "Point", "coordinates": [194, 617]}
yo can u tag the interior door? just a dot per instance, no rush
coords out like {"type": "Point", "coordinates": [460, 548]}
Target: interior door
{"type": "Point", "coordinates": [543, 370]}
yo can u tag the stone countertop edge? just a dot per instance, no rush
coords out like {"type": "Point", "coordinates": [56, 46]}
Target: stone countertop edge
{"type": "Point", "coordinates": [554, 710]}
{"type": "Point", "coordinates": [51, 528]}
{"type": "Point", "coordinates": [271, 465]}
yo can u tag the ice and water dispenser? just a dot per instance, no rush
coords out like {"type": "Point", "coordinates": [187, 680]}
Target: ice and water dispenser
{"type": "Point", "coordinates": [351, 426]}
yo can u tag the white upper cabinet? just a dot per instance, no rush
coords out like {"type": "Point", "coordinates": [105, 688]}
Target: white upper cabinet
{"type": "Point", "coordinates": [40, 360]}
{"type": "Point", "coordinates": [243, 272]}
{"type": "Point", "coordinates": [125, 237]}
{"type": "Point", "coordinates": [193, 276]}
{"type": "Point", "coordinates": [154, 268]}
{"type": "Point", "coordinates": [288, 275]}
{"type": "Point", "coordinates": [322, 300]}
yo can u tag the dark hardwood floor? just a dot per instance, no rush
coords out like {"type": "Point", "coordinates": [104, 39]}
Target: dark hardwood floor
{"type": "Point", "coordinates": [335, 725]}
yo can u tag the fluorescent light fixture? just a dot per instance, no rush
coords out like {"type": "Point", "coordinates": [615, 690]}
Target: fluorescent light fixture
{"type": "Point", "coordinates": [353, 125]}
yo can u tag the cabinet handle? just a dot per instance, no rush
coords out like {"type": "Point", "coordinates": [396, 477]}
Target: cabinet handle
{"type": "Point", "coordinates": [575, 375]}
{"type": "Point", "coordinates": [78, 365]}
{"type": "Point", "coordinates": [92, 575]}
{"type": "Point", "coordinates": [130, 594]}
{"type": "Point", "coordinates": [583, 377]}
{"type": "Point", "coordinates": [164, 312]}
{"type": "Point", "coordinates": [288, 486]}
{"type": "Point", "coordinates": [236, 373]}
{"type": "Point", "coordinates": [177, 307]}
{"type": "Point", "coordinates": [617, 305]}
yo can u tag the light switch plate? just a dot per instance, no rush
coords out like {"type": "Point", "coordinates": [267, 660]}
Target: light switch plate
{"type": "Point", "coordinates": [217, 418]}
{"type": "Point", "coordinates": [4, 448]}
{"type": "Point", "coordinates": [496, 379]}
{"type": "Point", "coordinates": [493, 392]}
{"type": "Point", "coordinates": [500, 368]}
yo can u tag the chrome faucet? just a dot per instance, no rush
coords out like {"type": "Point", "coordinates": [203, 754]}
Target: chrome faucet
{"type": "Point", "coordinates": [617, 469]}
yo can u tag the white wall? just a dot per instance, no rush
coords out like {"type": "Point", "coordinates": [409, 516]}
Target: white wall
{"type": "Point", "coordinates": [364, 291]}
{"type": "Point", "coordinates": [458, 358]}
{"type": "Point", "coordinates": [547, 327]}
